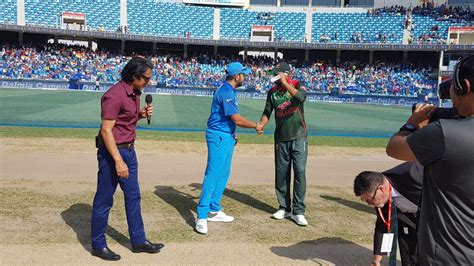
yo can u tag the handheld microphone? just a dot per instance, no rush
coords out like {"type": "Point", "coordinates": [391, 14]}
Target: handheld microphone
{"type": "Point", "coordinates": [148, 100]}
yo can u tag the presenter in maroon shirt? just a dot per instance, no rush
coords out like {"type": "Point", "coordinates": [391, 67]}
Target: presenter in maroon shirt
{"type": "Point", "coordinates": [117, 159]}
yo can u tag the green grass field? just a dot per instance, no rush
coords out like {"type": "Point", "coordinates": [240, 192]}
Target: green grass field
{"type": "Point", "coordinates": [77, 109]}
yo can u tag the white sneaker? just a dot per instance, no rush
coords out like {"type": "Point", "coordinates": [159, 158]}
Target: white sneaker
{"type": "Point", "coordinates": [281, 214]}
{"type": "Point", "coordinates": [220, 216]}
{"type": "Point", "coordinates": [201, 226]}
{"type": "Point", "coordinates": [299, 219]}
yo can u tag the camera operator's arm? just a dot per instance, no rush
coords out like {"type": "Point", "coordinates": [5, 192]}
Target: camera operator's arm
{"type": "Point", "coordinates": [398, 147]}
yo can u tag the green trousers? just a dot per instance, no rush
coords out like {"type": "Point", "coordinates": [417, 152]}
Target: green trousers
{"type": "Point", "coordinates": [287, 154]}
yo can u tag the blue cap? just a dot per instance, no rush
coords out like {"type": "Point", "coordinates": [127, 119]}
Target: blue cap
{"type": "Point", "coordinates": [236, 68]}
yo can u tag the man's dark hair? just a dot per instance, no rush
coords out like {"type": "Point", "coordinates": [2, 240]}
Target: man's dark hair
{"type": "Point", "coordinates": [367, 181]}
{"type": "Point", "coordinates": [466, 70]}
{"type": "Point", "coordinates": [135, 68]}
{"type": "Point", "coordinates": [229, 78]}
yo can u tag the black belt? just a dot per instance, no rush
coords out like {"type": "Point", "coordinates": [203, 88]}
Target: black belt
{"type": "Point", "coordinates": [128, 146]}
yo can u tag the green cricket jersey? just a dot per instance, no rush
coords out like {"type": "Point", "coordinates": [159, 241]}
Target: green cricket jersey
{"type": "Point", "coordinates": [289, 112]}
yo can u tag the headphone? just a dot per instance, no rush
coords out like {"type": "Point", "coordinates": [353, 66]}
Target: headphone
{"type": "Point", "coordinates": [459, 85]}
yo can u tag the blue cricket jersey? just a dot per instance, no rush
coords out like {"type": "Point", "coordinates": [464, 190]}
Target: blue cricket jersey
{"type": "Point", "coordinates": [224, 104]}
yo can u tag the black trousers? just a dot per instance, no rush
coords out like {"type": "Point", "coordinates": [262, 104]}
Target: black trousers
{"type": "Point", "coordinates": [407, 238]}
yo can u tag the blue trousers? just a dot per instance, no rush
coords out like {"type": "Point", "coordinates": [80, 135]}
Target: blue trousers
{"type": "Point", "coordinates": [107, 181]}
{"type": "Point", "coordinates": [220, 148]}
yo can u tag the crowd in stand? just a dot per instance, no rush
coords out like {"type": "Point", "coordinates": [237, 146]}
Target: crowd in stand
{"type": "Point", "coordinates": [380, 37]}
{"type": "Point", "coordinates": [60, 63]}
{"type": "Point", "coordinates": [378, 78]}
{"type": "Point", "coordinates": [442, 13]}
{"type": "Point", "coordinates": [451, 14]}
{"type": "Point", "coordinates": [63, 62]}
{"type": "Point", "coordinates": [454, 14]}
{"type": "Point", "coordinates": [387, 11]}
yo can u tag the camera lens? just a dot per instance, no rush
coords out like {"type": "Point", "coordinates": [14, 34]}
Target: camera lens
{"type": "Point", "coordinates": [443, 90]}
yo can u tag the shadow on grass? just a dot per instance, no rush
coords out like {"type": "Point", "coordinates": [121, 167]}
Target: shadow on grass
{"type": "Point", "coordinates": [184, 203]}
{"type": "Point", "coordinates": [244, 199]}
{"type": "Point", "coordinates": [351, 204]}
{"type": "Point", "coordinates": [78, 217]}
{"type": "Point", "coordinates": [329, 249]}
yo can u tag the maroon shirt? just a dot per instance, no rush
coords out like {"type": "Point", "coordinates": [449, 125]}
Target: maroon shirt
{"type": "Point", "coordinates": [122, 104]}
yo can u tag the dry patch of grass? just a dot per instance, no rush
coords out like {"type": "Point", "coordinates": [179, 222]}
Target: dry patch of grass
{"type": "Point", "coordinates": [28, 215]}
{"type": "Point", "coordinates": [150, 147]}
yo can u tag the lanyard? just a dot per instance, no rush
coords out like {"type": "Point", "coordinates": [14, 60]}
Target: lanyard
{"type": "Point", "coordinates": [387, 222]}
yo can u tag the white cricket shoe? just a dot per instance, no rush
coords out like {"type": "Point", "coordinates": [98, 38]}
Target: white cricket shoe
{"type": "Point", "coordinates": [220, 216]}
{"type": "Point", "coordinates": [299, 219]}
{"type": "Point", "coordinates": [201, 226]}
{"type": "Point", "coordinates": [281, 214]}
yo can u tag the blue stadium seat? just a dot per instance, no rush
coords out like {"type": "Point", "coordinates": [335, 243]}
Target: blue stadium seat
{"type": "Point", "coordinates": [169, 19]}
{"type": "Point", "coordinates": [152, 17]}
{"type": "Point", "coordinates": [99, 13]}
{"type": "Point", "coordinates": [346, 24]}
{"type": "Point", "coordinates": [424, 24]}
{"type": "Point", "coordinates": [8, 11]}
{"type": "Point", "coordinates": [237, 24]}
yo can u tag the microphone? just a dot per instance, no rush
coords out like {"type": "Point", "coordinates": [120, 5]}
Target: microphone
{"type": "Point", "coordinates": [148, 100]}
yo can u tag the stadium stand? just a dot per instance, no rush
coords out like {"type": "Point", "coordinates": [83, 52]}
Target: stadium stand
{"type": "Point", "coordinates": [431, 24]}
{"type": "Point", "coordinates": [100, 14]}
{"type": "Point", "coordinates": [428, 24]}
{"type": "Point", "coordinates": [8, 11]}
{"type": "Point", "coordinates": [357, 28]}
{"type": "Point", "coordinates": [169, 19]}
{"type": "Point", "coordinates": [379, 78]}
{"type": "Point", "coordinates": [430, 30]}
{"type": "Point", "coordinates": [237, 23]}
{"type": "Point", "coordinates": [202, 71]}
{"type": "Point", "coordinates": [289, 26]}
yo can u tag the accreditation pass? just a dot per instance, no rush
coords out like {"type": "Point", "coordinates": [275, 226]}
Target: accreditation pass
{"type": "Point", "coordinates": [387, 242]}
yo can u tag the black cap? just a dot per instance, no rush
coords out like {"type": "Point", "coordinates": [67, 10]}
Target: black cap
{"type": "Point", "coordinates": [281, 67]}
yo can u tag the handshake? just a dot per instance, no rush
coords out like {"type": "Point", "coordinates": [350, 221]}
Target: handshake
{"type": "Point", "coordinates": [259, 127]}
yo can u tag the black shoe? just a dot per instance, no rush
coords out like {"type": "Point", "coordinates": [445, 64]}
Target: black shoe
{"type": "Point", "coordinates": [105, 254]}
{"type": "Point", "coordinates": [147, 247]}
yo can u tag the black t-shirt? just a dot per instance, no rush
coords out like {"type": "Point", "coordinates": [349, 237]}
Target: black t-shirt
{"type": "Point", "coordinates": [446, 225]}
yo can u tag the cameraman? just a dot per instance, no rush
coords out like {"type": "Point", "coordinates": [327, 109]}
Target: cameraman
{"type": "Point", "coordinates": [446, 149]}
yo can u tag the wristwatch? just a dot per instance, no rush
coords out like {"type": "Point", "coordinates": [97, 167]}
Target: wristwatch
{"type": "Point", "coordinates": [408, 127]}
